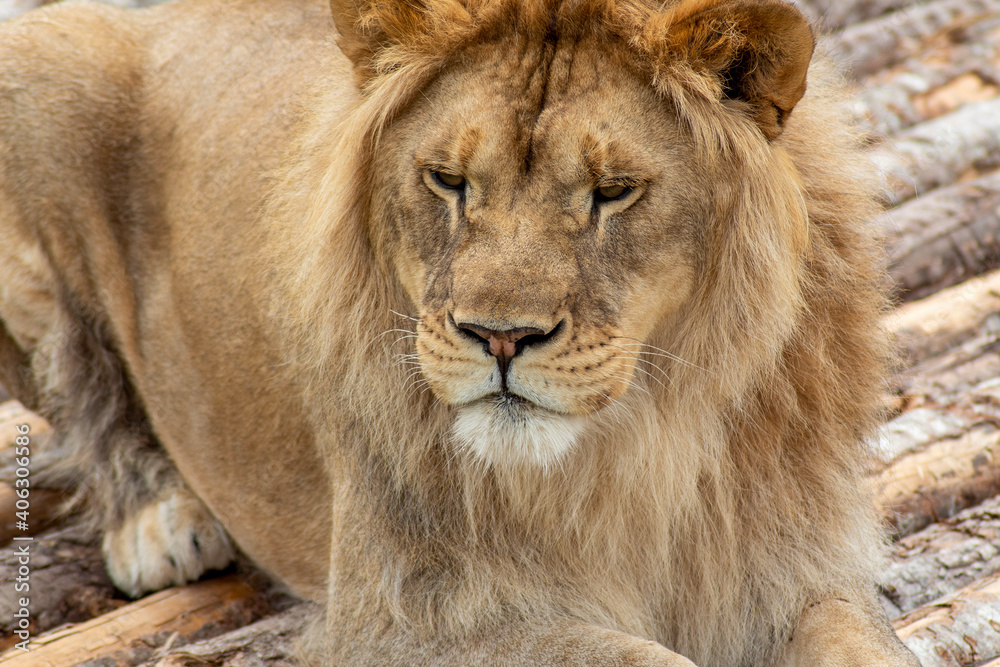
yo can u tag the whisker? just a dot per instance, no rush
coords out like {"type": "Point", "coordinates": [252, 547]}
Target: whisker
{"type": "Point", "coordinates": [408, 358]}
{"type": "Point", "coordinates": [643, 370]}
{"type": "Point", "coordinates": [415, 374]}
{"type": "Point", "coordinates": [422, 385]}
{"type": "Point", "coordinates": [629, 382]}
{"type": "Point", "coordinates": [415, 392]}
{"type": "Point", "coordinates": [415, 380]}
{"type": "Point", "coordinates": [654, 351]}
{"type": "Point", "coordinates": [407, 317]}
{"type": "Point", "coordinates": [407, 333]}
{"type": "Point", "coordinates": [402, 338]}
{"type": "Point", "coordinates": [655, 368]}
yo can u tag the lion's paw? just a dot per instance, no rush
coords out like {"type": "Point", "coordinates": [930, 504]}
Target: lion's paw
{"type": "Point", "coordinates": [168, 542]}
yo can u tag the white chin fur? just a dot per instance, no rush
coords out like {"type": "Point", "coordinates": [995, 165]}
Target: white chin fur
{"type": "Point", "coordinates": [507, 433]}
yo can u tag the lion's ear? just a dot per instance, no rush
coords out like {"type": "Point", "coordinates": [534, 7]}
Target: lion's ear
{"type": "Point", "coordinates": [759, 49]}
{"type": "Point", "coordinates": [357, 41]}
{"type": "Point", "coordinates": [368, 26]}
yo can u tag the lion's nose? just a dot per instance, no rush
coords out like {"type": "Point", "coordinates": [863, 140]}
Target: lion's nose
{"type": "Point", "coordinates": [508, 343]}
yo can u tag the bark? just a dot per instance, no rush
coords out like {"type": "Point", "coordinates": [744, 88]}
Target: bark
{"type": "Point", "coordinates": [125, 635]}
{"type": "Point", "coordinates": [930, 327]}
{"type": "Point", "coordinates": [960, 630]}
{"type": "Point", "coordinates": [956, 376]}
{"type": "Point", "coordinates": [915, 430]}
{"type": "Point", "coordinates": [944, 557]}
{"type": "Point", "coordinates": [874, 45]}
{"type": "Point", "coordinates": [939, 152]}
{"type": "Point", "coordinates": [945, 236]}
{"type": "Point", "coordinates": [271, 642]}
{"type": "Point", "coordinates": [67, 583]}
{"type": "Point", "coordinates": [920, 91]}
{"type": "Point", "coordinates": [833, 14]}
{"type": "Point", "coordinates": [940, 480]}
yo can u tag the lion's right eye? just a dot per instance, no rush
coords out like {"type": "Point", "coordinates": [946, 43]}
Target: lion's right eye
{"type": "Point", "coordinates": [612, 192]}
{"type": "Point", "coordinates": [448, 180]}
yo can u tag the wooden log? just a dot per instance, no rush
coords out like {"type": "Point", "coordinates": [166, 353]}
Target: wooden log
{"type": "Point", "coordinates": [955, 376]}
{"type": "Point", "coordinates": [834, 14]}
{"type": "Point", "coordinates": [917, 429]}
{"type": "Point", "coordinates": [271, 642]}
{"type": "Point", "coordinates": [944, 557]}
{"type": "Point", "coordinates": [941, 458]}
{"type": "Point", "coordinates": [931, 326]}
{"type": "Point", "coordinates": [922, 92]}
{"type": "Point", "coordinates": [870, 46]}
{"type": "Point", "coordinates": [217, 605]}
{"type": "Point", "coordinates": [944, 237]}
{"type": "Point", "coordinates": [941, 480]}
{"type": "Point", "coordinates": [977, 84]}
{"type": "Point", "coordinates": [66, 583]}
{"type": "Point", "coordinates": [938, 79]}
{"type": "Point", "coordinates": [940, 151]}
{"type": "Point", "coordinates": [960, 630]}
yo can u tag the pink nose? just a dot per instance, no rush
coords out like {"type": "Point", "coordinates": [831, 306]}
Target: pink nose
{"type": "Point", "coordinates": [501, 344]}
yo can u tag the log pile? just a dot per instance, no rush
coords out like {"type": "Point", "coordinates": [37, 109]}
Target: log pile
{"type": "Point", "coordinates": [927, 83]}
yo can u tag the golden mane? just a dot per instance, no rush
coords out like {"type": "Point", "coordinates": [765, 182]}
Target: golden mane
{"type": "Point", "coordinates": [775, 366]}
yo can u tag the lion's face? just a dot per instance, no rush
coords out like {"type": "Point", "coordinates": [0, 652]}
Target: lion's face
{"type": "Point", "coordinates": [545, 227]}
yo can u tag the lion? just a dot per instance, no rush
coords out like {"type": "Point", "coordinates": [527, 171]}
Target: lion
{"type": "Point", "coordinates": [512, 331]}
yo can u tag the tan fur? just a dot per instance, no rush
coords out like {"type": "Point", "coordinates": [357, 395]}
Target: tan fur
{"type": "Point", "coordinates": [285, 294]}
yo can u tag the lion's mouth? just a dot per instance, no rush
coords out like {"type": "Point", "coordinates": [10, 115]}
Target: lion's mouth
{"type": "Point", "coordinates": [514, 404]}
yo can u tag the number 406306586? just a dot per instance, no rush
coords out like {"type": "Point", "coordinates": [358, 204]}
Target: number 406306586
{"type": "Point", "coordinates": [22, 472]}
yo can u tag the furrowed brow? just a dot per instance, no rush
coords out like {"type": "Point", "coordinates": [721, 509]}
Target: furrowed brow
{"type": "Point", "coordinates": [607, 161]}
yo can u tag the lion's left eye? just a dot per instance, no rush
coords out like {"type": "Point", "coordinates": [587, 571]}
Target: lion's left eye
{"type": "Point", "coordinates": [611, 192]}
{"type": "Point", "coordinates": [449, 180]}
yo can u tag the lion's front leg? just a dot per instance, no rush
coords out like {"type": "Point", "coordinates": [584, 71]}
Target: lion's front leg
{"type": "Point", "coordinates": [838, 633]}
{"type": "Point", "coordinates": [61, 355]}
{"type": "Point", "coordinates": [565, 643]}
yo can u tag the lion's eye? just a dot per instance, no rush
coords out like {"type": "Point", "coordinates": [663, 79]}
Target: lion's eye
{"type": "Point", "coordinates": [611, 192]}
{"type": "Point", "coordinates": [450, 181]}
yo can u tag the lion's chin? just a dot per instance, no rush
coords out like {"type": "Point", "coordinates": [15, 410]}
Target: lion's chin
{"type": "Point", "coordinates": [507, 431]}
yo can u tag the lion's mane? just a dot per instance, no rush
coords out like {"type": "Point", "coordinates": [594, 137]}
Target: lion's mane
{"type": "Point", "coordinates": [775, 371]}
